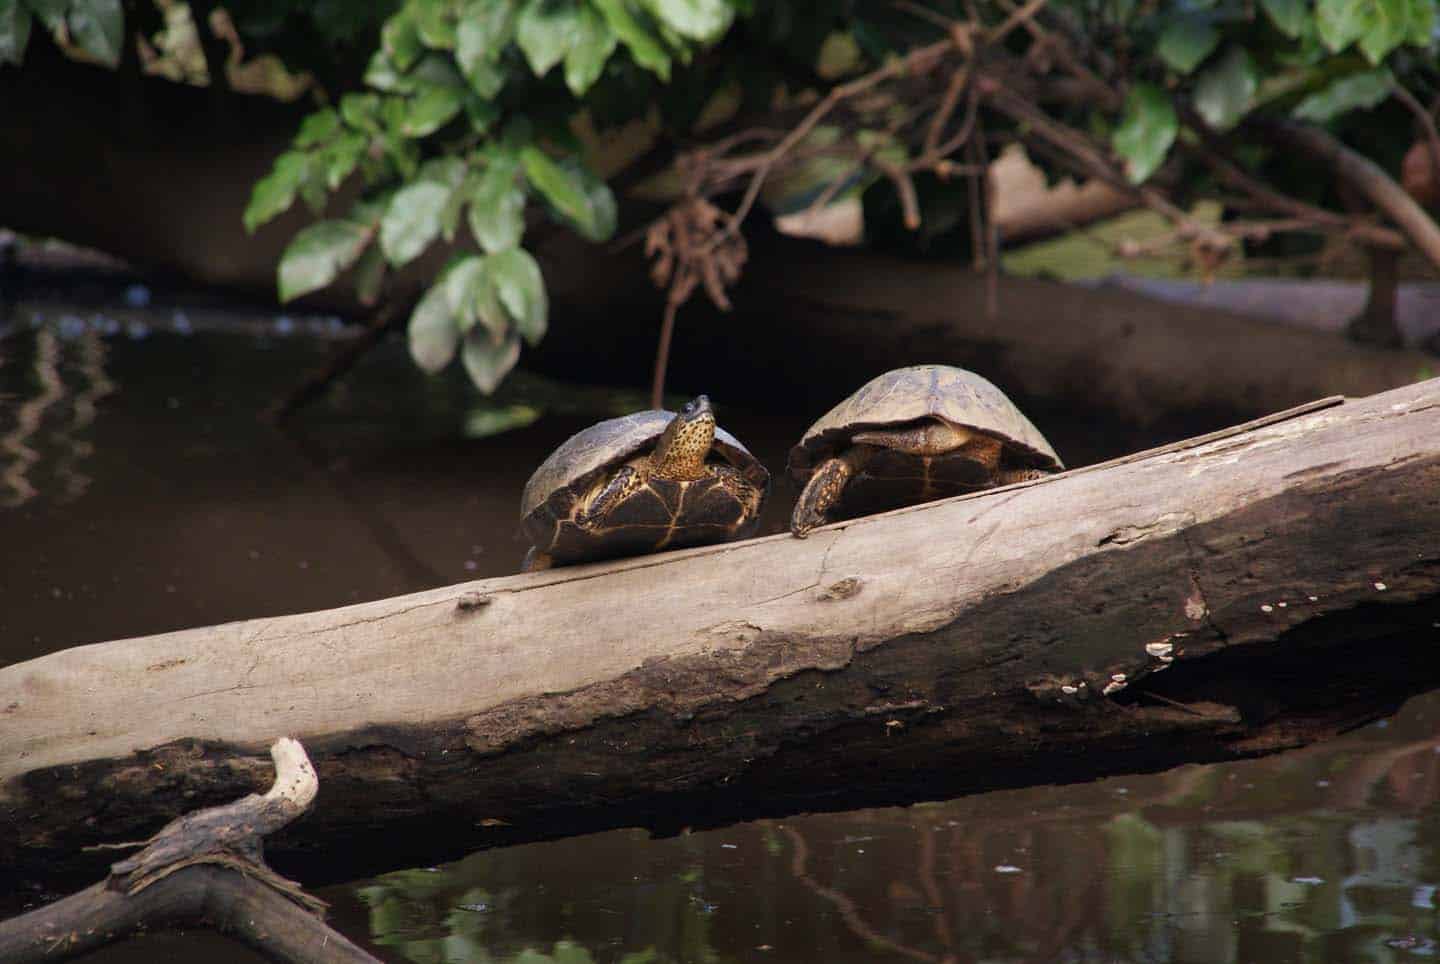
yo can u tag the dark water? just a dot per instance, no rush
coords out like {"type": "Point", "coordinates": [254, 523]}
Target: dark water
{"type": "Point", "coordinates": [138, 493]}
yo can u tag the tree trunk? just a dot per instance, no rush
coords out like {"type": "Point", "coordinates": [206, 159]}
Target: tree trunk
{"type": "Point", "coordinates": [1232, 596]}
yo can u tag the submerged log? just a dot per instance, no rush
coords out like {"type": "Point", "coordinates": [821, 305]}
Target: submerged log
{"type": "Point", "coordinates": [1224, 597]}
{"type": "Point", "coordinates": [204, 869]}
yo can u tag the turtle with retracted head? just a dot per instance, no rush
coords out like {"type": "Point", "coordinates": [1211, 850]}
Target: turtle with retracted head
{"type": "Point", "coordinates": [912, 435]}
{"type": "Point", "coordinates": [641, 483]}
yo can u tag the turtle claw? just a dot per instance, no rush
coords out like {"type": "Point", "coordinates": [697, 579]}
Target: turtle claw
{"type": "Point", "coordinates": [821, 493]}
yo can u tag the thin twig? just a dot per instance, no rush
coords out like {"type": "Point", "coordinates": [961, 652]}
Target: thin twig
{"type": "Point", "coordinates": [662, 353]}
{"type": "Point", "coordinates": [991, 235]}
{"type": "Point", "coordinates": [925, 13]}
{"type": "Point", "coordinates": [947, 107]}
{"type": "Point", "coordinates": [962, 135]}
{"type": "Point", "coordinates": [1025, 15]}
{"type": "Point", "coordinates": [919, 60]}
{"type": "Point", "coordinates": [905, 188]}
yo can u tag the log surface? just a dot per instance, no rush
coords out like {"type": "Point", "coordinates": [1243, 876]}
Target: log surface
{"type": "Point", "coordinates": [1257, 591]}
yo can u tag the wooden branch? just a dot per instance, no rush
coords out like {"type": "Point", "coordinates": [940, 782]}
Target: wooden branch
{"type": "Point", "coordinates": [205, 868]}
{"type": "Point", "coordinates": [1369, 179]}
{"type": "Point", "coordinates": [1280, 580]}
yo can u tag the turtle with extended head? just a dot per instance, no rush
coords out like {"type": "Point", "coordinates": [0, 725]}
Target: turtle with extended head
{"type": "Point", "coordinates": [641, 483]}
{"type": "Point", "coordinates": [909, 436]}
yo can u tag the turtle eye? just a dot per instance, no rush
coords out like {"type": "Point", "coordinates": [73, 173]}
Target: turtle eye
{"type": "Point", "coordinates": [689, 409]}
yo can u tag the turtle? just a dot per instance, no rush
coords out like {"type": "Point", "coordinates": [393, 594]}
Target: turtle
{"type": "Point", "coordinates": [909, 436]}
{"type": "Point", "coordinates": [640, 483]}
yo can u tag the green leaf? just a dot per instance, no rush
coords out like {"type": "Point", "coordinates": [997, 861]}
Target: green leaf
{"type": "Point", "coordinates": [1363, 90]}
{"type": "Point", "coordinates": [481, 114]}
{"type": "Point", "coordinates": [361, 111]}
{"type": "Point", "coordinates": [1187, 42]}
{"type": "Point", "coordinates": [341, 156]}
{"type": "Point", "coordinates": [557, 184]}
{"type": "Point", "coordinates": [317, 127]}
{"type": "Point", "coordinates": [275, 192]}
{"type": "Point", "coordinates": [433, 18]}
{"type": "Point", "coordinates": [370, 275]}
{"type": "Point", "coordinates": [400, 39]}
{"type": "Point", "coordinates": [461, 284]}
{"type": "Point", "coordinates": [636, 35]}
{"type": "Point", "coordinates": [412, 220]}
{"type": "Point", "coordinates": [481, 39]}
{"type": "Point", "coordinates": [313, 189]}
{"type": "Point", "coordinates": [14, 31]}
{"type": "Point", "coordinates": [489, 421]}
{"type": "Point", "coordinates": [1225, 91]}
{"type": "Point", "coordinates": [382, 74]}
{"type": "Point", "coordinates": [450, 172]}
{"type": "Point", "coordinates": [432, 334]}
{"type": "Point", "coordinates": [437, 70]}
{"type": "Point", "coordinates": [576, 194]}
{"type": "Point", "coordinates": [1289, 16]}
{"type": "Point", "coordinates": [98, 28]}
{"type": "Point", "coordinates": [1388, 28]}
{"type": "Point", "coordinates": [1341, 22]}
{"type": "Point", "coordinates": [545, 30]}
{"type": "Point", "coordinates": [521, 288]}
{"type": "Point", "coordinates": [1422, 23]}
{"type": "Point", "coordinates": [594, 43]}
{"type": "Point", "coordinates": [430, 110]}
{"type": "Point", "coordinates": [699, 20]}
{"type": "Point", "coordinates": [486, 27]}
{"type": "Point", "coordinates": [318, 254]}
{"type": "Point", "coordinates": [1146, 131]}
{"type": "Point", "coordinates": [497, 205]}
{"type": "Point", "coordinates": [487, 362]}
{"type": "Point", "coordinates": [50, 12]}
{"type": "Point", "coordinates": [485, 78]}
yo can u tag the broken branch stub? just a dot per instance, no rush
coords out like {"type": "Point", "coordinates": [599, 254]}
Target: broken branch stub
{"type": "Point", "coordinates": [205, 868]}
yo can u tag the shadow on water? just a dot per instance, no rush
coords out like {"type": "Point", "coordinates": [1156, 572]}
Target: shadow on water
{"type": "Point", "coordinates": [139, 494]}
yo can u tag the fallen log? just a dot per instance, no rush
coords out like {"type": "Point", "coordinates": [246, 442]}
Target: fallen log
{"type": "Point", "coordinates": [1230, 596]}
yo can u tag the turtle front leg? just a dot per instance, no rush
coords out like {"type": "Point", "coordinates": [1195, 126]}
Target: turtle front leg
{"type": "Point", "coordinates": [623, 484]}
{"type": "Point", "coordinates": [821, 493]}
{"type": "Point", "coordinates": [738, 486]}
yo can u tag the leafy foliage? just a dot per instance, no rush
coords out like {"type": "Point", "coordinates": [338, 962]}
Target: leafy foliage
{"type": "Point", "coordinates": [465, 122]}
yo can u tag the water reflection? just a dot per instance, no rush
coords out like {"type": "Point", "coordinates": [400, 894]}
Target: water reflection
{"type": "Point", "coordinates": [198, 514]}
{"type": "Point", "coordinates": [1326, 854]}
{"type": "Point", "coordinates": [43, 402]}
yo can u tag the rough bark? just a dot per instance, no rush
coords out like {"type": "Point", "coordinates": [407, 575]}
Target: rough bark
{"type": "Point", "coordinates": [1254, 592]}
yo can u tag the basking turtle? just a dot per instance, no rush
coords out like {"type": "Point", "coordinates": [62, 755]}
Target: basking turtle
{"type": "Point", "coordinates": [912, 435]}
{"type": "Point", "coordinates": [644, 482]}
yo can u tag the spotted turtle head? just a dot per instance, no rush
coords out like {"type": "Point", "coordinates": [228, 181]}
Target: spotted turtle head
{"type": "Point", "coordinates": [686, 441]}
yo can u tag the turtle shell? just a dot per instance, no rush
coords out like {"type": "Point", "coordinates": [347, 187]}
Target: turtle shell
{"type": "Point", "coordinates": [925, 391]}
{"type": "Point", "coordinates": [702, 512]}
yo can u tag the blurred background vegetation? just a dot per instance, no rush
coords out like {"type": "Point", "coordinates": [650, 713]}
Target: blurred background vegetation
{"type": "Point", "coordinates": [455, 134]}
